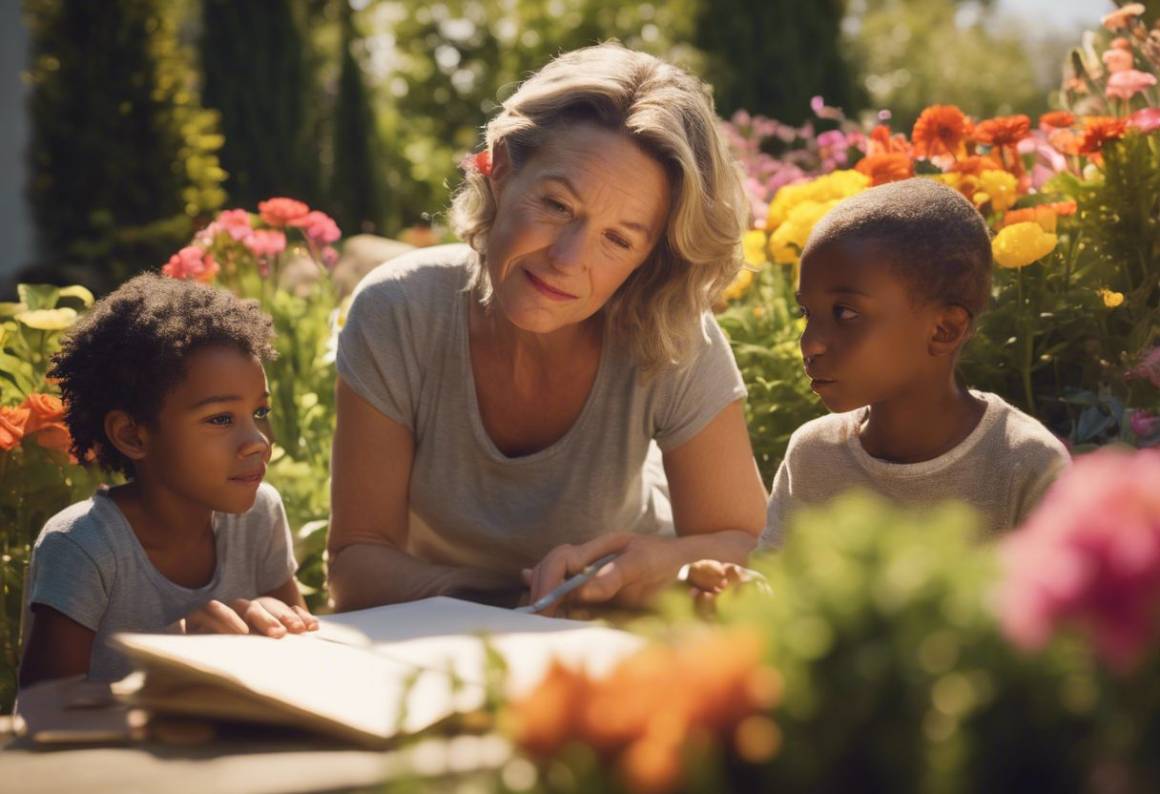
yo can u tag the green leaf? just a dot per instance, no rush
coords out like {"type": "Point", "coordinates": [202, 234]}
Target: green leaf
{"type": "Point", "coordinates": [38, 296]}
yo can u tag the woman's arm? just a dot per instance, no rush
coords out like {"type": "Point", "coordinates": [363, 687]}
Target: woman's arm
{"type": "Point", "coordinates": [369, 495]}
{"type": "Point", "coordinates": [718, 508]}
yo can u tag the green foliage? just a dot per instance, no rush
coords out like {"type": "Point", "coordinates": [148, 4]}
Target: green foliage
{"type": "Point", "coordinates": [258, 75]}
{"type": "Point", "coordinates": [774, 56]}
{"type": "Point", "coordinates": [122, 156]}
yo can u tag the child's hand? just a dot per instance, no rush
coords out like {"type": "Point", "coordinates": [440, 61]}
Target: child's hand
{"type": "Point", "coordinates": [265, 615]}
{"type": "Point", "coordinates": [708, 579]}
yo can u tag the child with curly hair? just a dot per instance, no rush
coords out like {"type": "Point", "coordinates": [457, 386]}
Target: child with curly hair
{"type": "Point", "coordinates": [163, 382]}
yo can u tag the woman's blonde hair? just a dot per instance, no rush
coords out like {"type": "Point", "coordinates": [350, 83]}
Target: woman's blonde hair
{"type": "Point", "coordinates": [669, 114]}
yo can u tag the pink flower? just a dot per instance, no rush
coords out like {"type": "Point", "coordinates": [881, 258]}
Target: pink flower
{"type": "Point", "coordinates": [1144, 424]}
{"type": "Point", "coordinates": [329, 257]}
{"type": "Point", "coordinates": [191, 262]}
{"type": "Point", "coordinates": [1118, 60]}
{"type": "Point", "coordinates": [1148, 368]}
{"type": "Point", "coordinates": [235, 222]}
{"type": "Point", "coordinates": [266, 242]}
{"type": "Point", "coordinates": [281, 211]}
{"type": "Point", "coordinates": [1128, 83]}
{"type": "Point", "coordinates": [1123, 16]}
{"type": "Point", "coordinates": [1145, 120]}
{"type": "Point", "coordinates": [319, 227]}
{"type": "Point", "coordinates": [1089, 558]}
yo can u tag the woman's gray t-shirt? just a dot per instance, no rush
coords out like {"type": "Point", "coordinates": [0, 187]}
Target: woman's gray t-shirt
{"type": "Point", "coordinates": [88, 565]}
{"type": "Point", "coordinates": [404, 348]}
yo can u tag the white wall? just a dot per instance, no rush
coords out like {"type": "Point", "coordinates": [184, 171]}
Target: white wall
{"type": "Point", "coordinates": [15, 220]}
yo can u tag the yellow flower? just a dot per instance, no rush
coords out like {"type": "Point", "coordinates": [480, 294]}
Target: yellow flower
{"type": "Point", "coordinates": [1020, 244]}
{"type": "Point", "coordinates": [741, 284]}
{"type": "Point", "coordinates": [1112, 299]}
{"type": "Point", "coordinates": [48, 319]}
{"type": "Point", "coordinates": [753, 246]}
{"type": "Point", "coordinates": [788, 239]}
{"type": "Point", "coordinates": [834, 185]}
{"type": "Point", "coordinates": [998, 187]}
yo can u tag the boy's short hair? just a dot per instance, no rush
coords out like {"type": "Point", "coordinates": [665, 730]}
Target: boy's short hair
{"type": "Point", "coordinates": [935, 239]}
{"type": "Point", "coordinates": [129, 351]}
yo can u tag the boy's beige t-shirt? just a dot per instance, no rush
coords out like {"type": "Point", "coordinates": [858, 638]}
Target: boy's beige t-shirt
{"type": "Point", "coordinates": [1001, 469]}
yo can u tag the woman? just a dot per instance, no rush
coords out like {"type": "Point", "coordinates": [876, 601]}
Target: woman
{"type": "Point", "coordinates": [497, 400]}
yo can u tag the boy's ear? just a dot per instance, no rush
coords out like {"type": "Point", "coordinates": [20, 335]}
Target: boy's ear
{"type": "Point", "coordinates": [953, 327]}
{"type": "Point", "coordinates": [126, 434]}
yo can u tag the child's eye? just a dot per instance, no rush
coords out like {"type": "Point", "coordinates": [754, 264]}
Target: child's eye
{"type": "Point", "coordinates": [221, 420]}
{"type": "Point", "coordinates": [800, 311]}
{"type": "Point", "coordinates": [262, 413]}
{"type": "Point", "coordinates": [845, 313]}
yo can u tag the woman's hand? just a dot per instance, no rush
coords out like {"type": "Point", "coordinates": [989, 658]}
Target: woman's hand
{"type": "Point", "coordinates": [646, 564]}
{"type": "Point", "coordinates": [264, 615]}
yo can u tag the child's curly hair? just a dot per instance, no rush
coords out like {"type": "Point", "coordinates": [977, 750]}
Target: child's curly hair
{"type": "Point", "coordinates": [130, 350]}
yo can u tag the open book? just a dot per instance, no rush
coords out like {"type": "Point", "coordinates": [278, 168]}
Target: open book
{"type": "Point", "coordinates": [366, 676]}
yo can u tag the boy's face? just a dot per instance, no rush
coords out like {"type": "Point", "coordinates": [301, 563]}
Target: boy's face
{"type": "Point", "coordinates": [866, 338]}
{"type": "Point", "coordinates": [211, 441]}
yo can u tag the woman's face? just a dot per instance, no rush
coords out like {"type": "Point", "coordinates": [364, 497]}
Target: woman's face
{"type": "Point", "coordinates": [571, 225]}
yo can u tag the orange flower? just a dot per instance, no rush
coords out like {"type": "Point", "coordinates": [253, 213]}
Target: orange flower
{"type": "Point", "coordinates": [975, 165]}
{"type": "Point", "coordinates": [1003, 130]}
{"type": "Point", "coordinates": [883, 168]}
{"type": "Point", "coordinates": [546, 719]}
{"type": "Point", "coordinates": [1064, 141]}
{"type": "Point", "coordinates": [1099, 130]}
{"type": "Point", "coordinates": [940, 129]}
{"type": "Point", "coordinates": [1058, 119]}
{"type": "Point", "coordinates": [1040, 214]}
{"type": "Point", "coordinates": [282, 211]}
{"type": "Point", "coordinates": [12, 422]}
{"type": "Point", "coordinates": [44, 410]}
{"type": "Point", "coordinates": [881, 141]}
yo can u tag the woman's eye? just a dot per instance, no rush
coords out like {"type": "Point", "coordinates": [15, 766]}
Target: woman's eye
{"type": "Point", "coordinates": [262, 413]}
{"type": "Point", "coordinates": [555, 206]}
{"type": "Point", "coordinates": [845, 313]}
{"type": "Point", "coordinates": [620, 242]}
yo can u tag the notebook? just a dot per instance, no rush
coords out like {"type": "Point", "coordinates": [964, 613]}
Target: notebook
{"type": "Point", "coordinates": [369, 676]}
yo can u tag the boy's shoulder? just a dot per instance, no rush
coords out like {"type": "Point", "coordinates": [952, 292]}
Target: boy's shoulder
{"type": "Point", "coordinates": [90, 525]}
{"type": "Point", "coordinates": [825, 434]}
{"type": "Point", "coordinates": [1021, 434]}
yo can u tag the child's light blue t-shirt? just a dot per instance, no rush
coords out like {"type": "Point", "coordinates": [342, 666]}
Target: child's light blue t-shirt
{"type": "Point", "coordinates": [88, 565]}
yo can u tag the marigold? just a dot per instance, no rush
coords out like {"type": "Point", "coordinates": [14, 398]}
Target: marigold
{"type": "Point", "coordinates": [882, 141]}
{"type": "Point", "coordinates": [883, 168]}
{"type": "Point", "coordinates": [1111, 298]}
{"type": "Point", "coordinates": [1021, 244]}
{"type": "Point", "coordinates": [12, 424]}
{"type": "Point", "coordinates": [1099, 130]}
{"type": "Point", "coordinates": [940, 129]}
{"type": "Point", "coordinates": [1003, 130]}
{"type": "Point", "coordinates": [976, 164]}
{"type": "Point", "coordinates": [1057, 119]}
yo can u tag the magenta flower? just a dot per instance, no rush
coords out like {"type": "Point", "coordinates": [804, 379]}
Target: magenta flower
{"type": "Point", "coordinates": [1148, 368]}
{"type": "Point", "coordinates": [191, 263]}
{"type": "Point", "coordinates": [1144, 424]}
{"type": "Point", "coordinates": [319, 227]}
{"type": "Point", "coordinates": [1089, 558]}
{"type": "Point", "coordinates": [1128, 83]}
{"type": "Point", "coordinates": [266, 242]}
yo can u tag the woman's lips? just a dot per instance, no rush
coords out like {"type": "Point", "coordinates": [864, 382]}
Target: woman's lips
{"type": "Point", "coordinates": [547, 290]}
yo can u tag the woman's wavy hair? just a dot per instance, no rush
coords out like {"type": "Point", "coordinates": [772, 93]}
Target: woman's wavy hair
{"type": "Point", "coordinates": [669, 114]}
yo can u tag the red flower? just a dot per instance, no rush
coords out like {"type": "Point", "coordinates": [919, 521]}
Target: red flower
{"type": "Point", "coordinates": [1099, 130]}
{"type": "Point", "coordinates": [1057, 119]}
{"type": "Point", "coordinates": [940, 129]}
{"type": "Point", "coordinates": [282, 211]}
{"type": "Point", "coordinates": [1003, 130]}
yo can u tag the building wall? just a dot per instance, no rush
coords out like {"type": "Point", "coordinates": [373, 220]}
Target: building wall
{"type": "Point", "coordinates": [16, 237]}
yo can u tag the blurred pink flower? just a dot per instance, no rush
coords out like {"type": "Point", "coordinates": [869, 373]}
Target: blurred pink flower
{"type": "Point", "coordinates": [191, 263]}
{"type": "Point", "coordinates": [1145, 120]}
{"type": "Point", "coordinates": [329, 257]}
{"type": "Point", "coordinates": [1144, 424]}
{"type": "Point", "coordinates": [1128, 83]}
{"type": "Point", "coordinates": [1148, 368]}
{"type": "Point", "coordinates": [1089, 558]}
{"type": "Point", "coordinates": [319, 227]}
{"type": "Point", "coordinates": [281, 211]}
{"type": "Point", "coordinates": [236, 222]}
{"type": "Point", "coordinates": [1122, 16]}
{"type": "Point", "coordinates": [1118, 60]}
{"type": "Point", "coordinates": [266, 242]}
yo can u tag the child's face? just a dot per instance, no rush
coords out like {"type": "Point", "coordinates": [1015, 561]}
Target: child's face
{"type": "Point", "coordinates": [866, 339]}
{"type": "Point", "coordinates": [211, 441]}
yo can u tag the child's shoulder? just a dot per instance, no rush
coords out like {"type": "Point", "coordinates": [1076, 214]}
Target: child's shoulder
{"type": "Point", "coordinates": [823, 435]}
{"type": "Point", "coordinates": [89, 526]}
{"type": "Point", "coordinates": [1021, 434]}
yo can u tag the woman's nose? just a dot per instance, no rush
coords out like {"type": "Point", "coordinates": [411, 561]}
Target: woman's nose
{"type": "Point", "coordinates": [568, 251]}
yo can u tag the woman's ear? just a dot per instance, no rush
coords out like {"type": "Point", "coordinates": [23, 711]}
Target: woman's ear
{"type": "Point", "coordinates": [126, 434]}
{"type": "Point", "coordinates": [501, 167]}
{"type": "Point", "coordinates": [953, 327]}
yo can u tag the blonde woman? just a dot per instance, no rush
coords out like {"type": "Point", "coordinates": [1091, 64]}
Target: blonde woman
{"type": "Point", "coordinates": [498, 400]}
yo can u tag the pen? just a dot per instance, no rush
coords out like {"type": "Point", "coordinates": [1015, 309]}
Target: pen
{"type": "Point", "coordinates": [567, 586]}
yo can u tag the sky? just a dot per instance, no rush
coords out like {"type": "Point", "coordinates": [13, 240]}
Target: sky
{"type": "Point", "coordinates": [1059, 14]}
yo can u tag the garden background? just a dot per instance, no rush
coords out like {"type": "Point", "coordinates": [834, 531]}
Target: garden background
{"type": "Point", "coordinates": [159, 130]}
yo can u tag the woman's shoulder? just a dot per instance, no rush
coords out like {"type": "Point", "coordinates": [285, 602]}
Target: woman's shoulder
{"type": "Point", "coordinates": [417, 276]}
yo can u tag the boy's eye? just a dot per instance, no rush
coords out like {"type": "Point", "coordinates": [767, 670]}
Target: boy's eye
{"type": "Point", "coordinates": [845, 313]}
{"type": "Point", "coordinates": [800, 311]}
{"type": "Point", "coordinates": [262, 413]}
{"type": "Point", "coordinates": [222, 420]}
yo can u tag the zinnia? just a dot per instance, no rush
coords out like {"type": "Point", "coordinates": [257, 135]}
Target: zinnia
{"type": "Point", "coordinates": [940, 129]}
{"type": "Point", "coordinates": [281, 211]}
{"type": "Point", "coordinates": [883, 168]}
{"type": "Point", "coordinates": [193, 263]}
{"type": "Point", "coordinates": [1099, 130]}
{"type": "Point", "coordinates": [1128, 83]}
{"type": "Point", "coordinates": [1003, 130]}
{"type": "Point", "coordinates": [1057, 119]}
{"type": "Point", "coordinates": [1089, 557]}
{"type": "Point", "coordinates": [1021, 244]}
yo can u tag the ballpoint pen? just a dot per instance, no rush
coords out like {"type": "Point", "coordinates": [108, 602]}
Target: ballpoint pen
{"type": "Point", "coordinates": [558, 592]}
